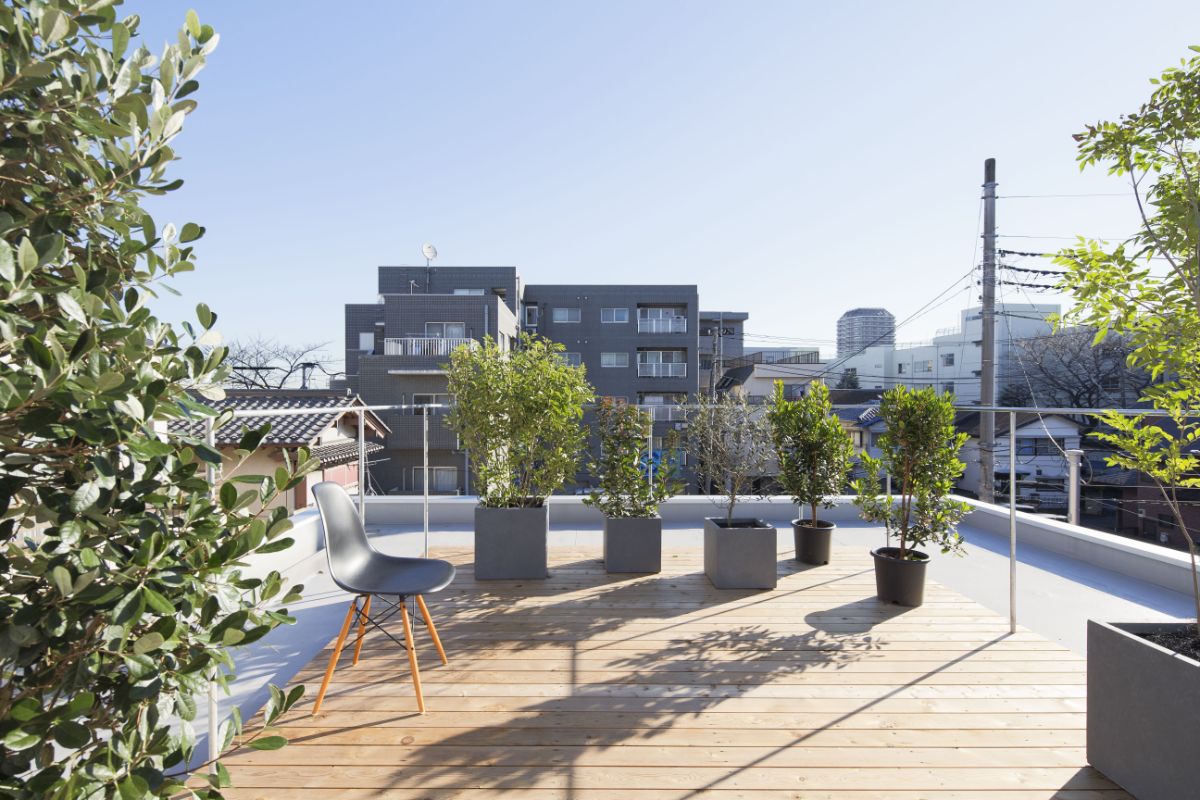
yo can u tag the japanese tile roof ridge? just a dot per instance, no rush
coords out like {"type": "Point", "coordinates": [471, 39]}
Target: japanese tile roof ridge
{"type": "Point", "coordinates": [341, 451]}
{"type": "Point", "coordinates": [290, 430]}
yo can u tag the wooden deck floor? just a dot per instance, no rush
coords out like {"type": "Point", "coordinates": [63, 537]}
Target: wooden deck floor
{"type": "Point", "coordinates": [593, 687]}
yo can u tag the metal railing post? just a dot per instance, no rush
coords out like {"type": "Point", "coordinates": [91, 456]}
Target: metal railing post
{"type": "Point", "coordinates": [425, 477]}
{"type": "Point", "coordinates": [1073, 457]}
{"type": "Point", "coordinates": [1012, 521]}
{"type": "Point", "coordinates": [214, 706]}
{"type": "Point", "coordinates": [362, 467]}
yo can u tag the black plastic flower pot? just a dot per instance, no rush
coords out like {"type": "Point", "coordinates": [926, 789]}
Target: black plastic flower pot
{"type": "Point", "coordinates": [813, 543]}
{"type": "Point", "coordinates": [900, 580]}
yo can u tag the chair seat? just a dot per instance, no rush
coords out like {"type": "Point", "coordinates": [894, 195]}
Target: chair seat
{"type": "Point", "coordinates": [384, 574]}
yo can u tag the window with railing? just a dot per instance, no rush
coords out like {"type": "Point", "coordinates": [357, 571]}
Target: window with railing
{"type": "Point", "coordinates": [662, 319]}
{"type": "Point", "coordinates": [424, 346]}
{"type": "Point", "coordinates": [662, 363]}
{"type": "Point", "coordinates": [664, 407]}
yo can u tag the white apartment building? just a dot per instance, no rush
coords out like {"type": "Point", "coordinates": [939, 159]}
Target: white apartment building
{"type": "Point", "coordinates": [952, 362]}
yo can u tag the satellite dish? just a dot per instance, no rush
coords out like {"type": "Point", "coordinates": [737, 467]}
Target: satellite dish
{"type": "Point", "coordinates": [429, 251]}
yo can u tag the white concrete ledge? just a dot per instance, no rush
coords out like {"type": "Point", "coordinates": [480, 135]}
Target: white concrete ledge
{"type": "Point", "coordinates": [1135, 559]}
{"type": "Point", "coordinates": [309, 540]}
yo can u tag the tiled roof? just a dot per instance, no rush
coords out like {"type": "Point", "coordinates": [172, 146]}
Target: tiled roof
{"type": "Point", "coordinates": [342, 451]}
{"type": "Point", "coordinates": [969, 421]}
{"type": "Point", "coordinates": [292, 430]}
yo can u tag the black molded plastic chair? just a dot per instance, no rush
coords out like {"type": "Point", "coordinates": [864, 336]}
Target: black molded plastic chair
{"type": "Point", "coordinates": [359, 568]}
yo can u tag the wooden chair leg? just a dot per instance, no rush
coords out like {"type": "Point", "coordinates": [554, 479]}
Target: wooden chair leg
{"type": "Point", "coordinates": [362, 628]}
{"type": "Point", "coordinates": [412, 656]}
{"type": "Point", "coordinates": [432, 630]}
{"type": "Point", "coordinates": [337, 651]}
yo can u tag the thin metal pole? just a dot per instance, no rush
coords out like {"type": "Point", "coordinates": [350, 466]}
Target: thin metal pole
{"type": "Point", "coordinates": [214, 707]}
{"type": "Point", "coordinates": [425, 478]}
{"type": "Point", "coordinates": [1012, 522]}
{"type": "Point", "coordinates": [362, 467]}
{"type": "Point", "coordinates": [1073, 457]}
{"type": "Point", "coordinates": [987, 388]}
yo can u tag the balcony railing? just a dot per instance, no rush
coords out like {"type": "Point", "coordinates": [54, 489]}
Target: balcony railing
{"type": "Point", "coordinates": [662, 370]}
{"type": "Point", "coordinates": [666, 413]}
{"type": "Point", "coordinates": [424, 346]}
{"type": "Point", "coordinates": [663, 325]}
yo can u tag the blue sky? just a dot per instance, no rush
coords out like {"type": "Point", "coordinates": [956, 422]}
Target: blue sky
{"type": "Point", "coordinates": [792, 159]}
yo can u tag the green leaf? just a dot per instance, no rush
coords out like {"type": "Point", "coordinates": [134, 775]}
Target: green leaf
{"type": "Point", "coordinates": [150, 642]}
{"type": "Point", "coordinates": [70, 306]}
{"type": "Point", "coordinates": [120, 40]}
{"type": "Point", "coordinates": [190, 233]}
{"type": "Point", "coordinates": [228, 495]}
{"type": "Point", "coordinates": [192, 20]}
{"type": "Point", "coordinates": [85, 496]}
{"type": "Point", "coordinates": [27, 257]}
{"type": "Point", "coordinates": [71, 735]}
{"type": "Point", "coordinates": [53, 25]}
{"type": "Point", "coordinates": [268, 743]}
{"type": "Point", "coordinates": [205, 315]}
{"type": "Point", "coordinates": [157, 602]}
{"type": "Point", "coordinates": [8, 267]}
{"type": "Point", "coordinates": [21, 739]}
{"type": "Point", "coordinates": [62, 580]}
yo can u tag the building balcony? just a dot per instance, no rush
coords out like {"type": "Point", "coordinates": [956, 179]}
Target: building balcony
{"type": "Point", "coordinates": [662, 370]}
{"type": "Point", "coordinates": [663, 325]}
{"type": "Point", "coordinates": [424, 346]}
{"type": "Point", "coordinates": [666, 413]}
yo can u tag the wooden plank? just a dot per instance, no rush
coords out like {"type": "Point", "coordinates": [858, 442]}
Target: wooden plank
{"type": "Point", "coordinates": [595, 687]}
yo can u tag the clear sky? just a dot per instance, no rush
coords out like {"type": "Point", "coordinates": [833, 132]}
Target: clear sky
{"type": "Point", "coordinates": [792, 159]}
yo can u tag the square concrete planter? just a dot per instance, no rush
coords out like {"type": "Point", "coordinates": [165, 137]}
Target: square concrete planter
{"type": "Point", "coordinates": [1142, 725]}
{"type": "Point", "coordinates": [510, 543]}
{"type": "Point", "coordinates": [741, 557]}
{"type": "Point", "coordinates": [633, 544]}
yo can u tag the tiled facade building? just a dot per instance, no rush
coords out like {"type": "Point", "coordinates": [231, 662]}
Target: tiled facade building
{"type": "Point", "coordinates": [639, 343]}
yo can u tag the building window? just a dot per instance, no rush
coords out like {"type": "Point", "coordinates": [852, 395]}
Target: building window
{"type": "Point", "coordinates": [662, 319]}
{"type": "Point", "coordinates": [947, 359]}
{"type": "Point", "coordinates": [614, 359]}
{"type": "Point", "coordinates": [948, 387]}
{"type": "Point", "coordinates": [366, 342]}
{"type": "Point", "coordinates": [446, 330]}
{"type": "Point", "coordinates": [1040, 446]}
{"type": "Point", "coordinates": [706, 362]}
{"type": "Point", "coordinates": [443, 480]}
{"type": "Point", "coordinates": [923, 366]}
{"type": "Point", "coordinates": [572, 359]}
{"type": "Point", "coordinates": [615, 399]}
{"type": "Point", "coordinates": [467, 291]}
{"type": "Point", "coordinates": [900, 369]}
{"type": "Point", "coordinates": [429, 399]}
{"type": "Point", "coordinates": [614, 315]}
{"type": "Point", "coordinates": [662, 363]}
{"type": "Point", "coordinates": [565, 315]}
{"type": "Point", "coordinates": [531, 316]}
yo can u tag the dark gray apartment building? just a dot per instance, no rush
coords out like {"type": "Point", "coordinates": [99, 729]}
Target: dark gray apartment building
{"type": "Point", "coordinates": [639, 343]}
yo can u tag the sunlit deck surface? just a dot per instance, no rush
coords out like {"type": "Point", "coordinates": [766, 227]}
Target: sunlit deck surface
{"type": "Point", "coordinates": [593, 686]}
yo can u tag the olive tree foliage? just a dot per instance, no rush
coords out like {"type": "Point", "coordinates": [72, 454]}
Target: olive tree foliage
{"type": "Point", "coordinates": [1147, 288]}
{"type": "Point", "coordinates": [120, 592]}
{"type": "Point", "coordinates": [919, 450]}
{"type": "Point", "coordinates": [731, 441]}
{"type": "Point", "coordinates": [814, 451]}
{"type": "Point", "coordinates": [631, 482]}
{"type": "Point", "coordinates": [518, 414]}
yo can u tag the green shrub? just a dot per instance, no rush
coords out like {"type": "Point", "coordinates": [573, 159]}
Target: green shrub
{"type": "Point", "coordinates": [813, 449]}
{"type": "Point", "coordinates": [631, 483]}
{"type": "Point", "coordinates": [120, 593]}
{"type": "Point", "coordinates": [518, 414]}
{"type": "Point", "coordinates": [731, 441]}
{"type": "Point", "coordinates": [919, 451]}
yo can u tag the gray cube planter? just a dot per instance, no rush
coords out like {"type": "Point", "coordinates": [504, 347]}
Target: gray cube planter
{"type": "Point", "coordinates": [740, 557]}
{"type": "Point", "coordinates": [510, 543]}
{"type": "Point", "coordinates": [813, 544]}
{"type": "Point", "coordinates": [633, 544]}
{"type": "Point", "coordinates": [1142, 726]}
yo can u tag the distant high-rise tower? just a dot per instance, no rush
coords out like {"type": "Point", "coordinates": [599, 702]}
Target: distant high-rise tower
{"type": "Point", "coordinates": [859, 328]}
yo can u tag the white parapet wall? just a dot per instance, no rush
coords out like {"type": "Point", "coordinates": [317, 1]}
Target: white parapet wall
{"type": "Point", "coordinates": [299, 560]}
{"type": "Point", "coordinates": [1136, 559]}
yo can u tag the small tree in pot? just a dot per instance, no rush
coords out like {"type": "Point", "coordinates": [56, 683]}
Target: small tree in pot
{"type": "Point", "coordinates": [920, 451]}
{"type": "Point", "coordinates": [814, 453]}
{"type": "Point", "coordinates": [518, 414]}
{"type": "Point", "coordinates": [732, 444]}
{"type": "Point", "coordinates": [632, 485]}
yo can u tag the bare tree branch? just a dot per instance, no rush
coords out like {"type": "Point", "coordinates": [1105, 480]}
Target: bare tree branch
{"type": "Point", "coordinates": [260, 363]}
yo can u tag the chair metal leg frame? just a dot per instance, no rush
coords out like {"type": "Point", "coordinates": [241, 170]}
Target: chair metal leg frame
{"type": "Point", "coordinates": [408, 644]}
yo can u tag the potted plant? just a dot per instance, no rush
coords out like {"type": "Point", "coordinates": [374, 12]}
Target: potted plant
{"type": "Point", "coordinates": [814, 453]}
{"type": "Point", "coordinates": [1144, 679]}
{"type": "Point", "coordinates": [731, 441]}
{"type": "Point", "coordinates": [632, 485]}
{"type": "Point", "coordinates": [518, 414]}
{"type": "Point", "coordinates": [919, 450]}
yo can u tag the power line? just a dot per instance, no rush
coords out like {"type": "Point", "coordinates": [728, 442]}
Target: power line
{"type": "Point", "coordinates": [1040, 196]}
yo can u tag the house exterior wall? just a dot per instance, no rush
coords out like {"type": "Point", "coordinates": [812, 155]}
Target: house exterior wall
{"type": "Point", "coordinates": [1041, 473]}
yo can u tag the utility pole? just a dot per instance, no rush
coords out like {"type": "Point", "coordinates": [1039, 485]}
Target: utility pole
{"type": "Point", "coordinates": [987, 388]}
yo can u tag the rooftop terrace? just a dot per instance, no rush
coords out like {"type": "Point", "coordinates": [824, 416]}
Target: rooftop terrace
{"type": "Point", "coordinates": [588, 685]}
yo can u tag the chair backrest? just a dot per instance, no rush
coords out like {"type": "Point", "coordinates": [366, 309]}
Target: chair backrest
{"type": "Point", "coordinates": [346, 545]}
